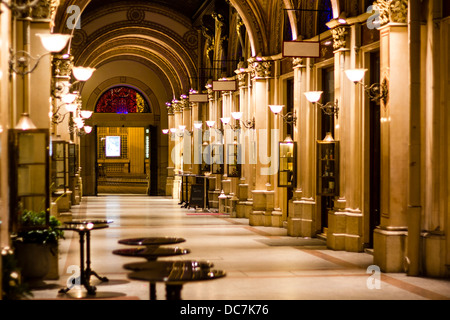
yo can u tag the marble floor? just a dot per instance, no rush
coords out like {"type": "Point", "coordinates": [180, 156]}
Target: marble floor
{"type": "Point", "coordinates": [261, 263]}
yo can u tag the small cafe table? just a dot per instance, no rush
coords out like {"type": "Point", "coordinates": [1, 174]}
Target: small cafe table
{"type": "Point", "coordinates": [151, 253]}
{"type": "Point", "coordinates": [151, 241]}
{"type": "Point", "coordinates": [84, 227]}
{"type": "Point", "coordinates": [152, 250]}
{"type": "Point", "coordinates": [174, 274]}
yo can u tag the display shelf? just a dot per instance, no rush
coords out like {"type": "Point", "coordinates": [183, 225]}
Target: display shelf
{"type": "Point", "coordinates": [29, 175]}
{"type": "Point", "coordinates": [287, 163]}
{"type": "Point", "coordinates": [327, 168]}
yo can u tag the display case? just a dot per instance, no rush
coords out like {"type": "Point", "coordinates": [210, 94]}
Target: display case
{"type": "Point", "coordinates": [217, 166]}
{"type": "Point", "coordinates": [59, 166]}
{"type": "Point", "coordinates": [287, 163]}
{"type": "Point", "coordinates": [234, 160]}
{"type": "Point", "coordinates": [327, 168]}
{"type": "Point", "coordinates": [29, 174]}
{"type": "Point", "coordinates": [73, 159]}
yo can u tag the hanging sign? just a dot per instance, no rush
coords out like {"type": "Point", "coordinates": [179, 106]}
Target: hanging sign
{"type": "Point", "coordinates": [198, 97]}
{"type": "Point", "coordinates": [224, 85]}
{"type": "Point", "coordinates": [304, 49]}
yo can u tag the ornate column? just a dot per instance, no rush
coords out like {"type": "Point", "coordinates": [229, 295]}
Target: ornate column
{"type": "Point", "coordinates": [263, 194]}
{"type": "Point", "coordinates": [302, 219]}
{"type": "Point", "coordinates": [390, 236]}
{"type": "Point", "coordinates": [243, 205]}
{"type": "Point", "coordinates": [171, 166]}
{"type": "Point", "coordinates": [61, 74]}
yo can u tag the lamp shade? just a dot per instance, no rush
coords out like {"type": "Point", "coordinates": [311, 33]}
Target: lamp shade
{"type": "Point", "coordinates": [85, 114]}
{"type": "Point", "coordinates": [328, 137]}
{"type": "Point", "coordinates": [225, 120]}
{"type": "Point", "coordinates": [236, 115]}
{"type": "Point", "coordinates": [355, 75]}
{"type": "Point", "coordinates": [181, 127]}
{"type": "Point", "coordinates": [197, 125]}
{"type": "Point", "coordinates": [165, 131]}
{"type": "Point", "coordinates": [71, 107]}
{"type": "Point", "coordinates": [68, 97]}
{"type": "Point", "coordinates": [88, 129]}
{"type": "Point", "coordinates": [276, 108]}
{"type": "Point", "coordinates": [210, 123]}
{"type": "Point", "coordinates": [54, 42]}
{"type": "Point", "coordinates": [313, 96]}
{"type": "Point", "coordinates": [25, 122]}
{"type": "Point", "coordinates": [82, 73]}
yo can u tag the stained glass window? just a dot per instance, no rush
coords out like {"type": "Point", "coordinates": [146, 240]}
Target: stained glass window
{"type": "Point", "coordinates": [122, 100]}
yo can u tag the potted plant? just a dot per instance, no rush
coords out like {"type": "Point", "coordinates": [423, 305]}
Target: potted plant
{"type": "Point", "coordinates": [12, 286]}
{"type": "Point", "coordinates": [36, 247]}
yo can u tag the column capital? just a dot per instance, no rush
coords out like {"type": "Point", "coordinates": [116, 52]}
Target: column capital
{"type": "Point", "coordinates": [392, 11]}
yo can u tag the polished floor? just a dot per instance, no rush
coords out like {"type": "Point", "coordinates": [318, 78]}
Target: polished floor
{"type": "Point", "coordinates": [261, 263]}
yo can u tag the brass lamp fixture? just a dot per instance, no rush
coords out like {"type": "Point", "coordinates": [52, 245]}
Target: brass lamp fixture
{"type": "Point", "coordinates": [329, 108]}
{"type": "Point", "coordinates": [289, 117]}
{"type": "Point", "coordinates": [375, 91]}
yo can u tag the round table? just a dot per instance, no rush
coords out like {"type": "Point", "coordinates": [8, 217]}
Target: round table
{"type": "Point", "coordinates": [151, 253]}
{"type": "Point", "coordinates": [151, 241]}
{"type": "Point", "coordinates": [175, 275]}
{"type": "Point", "coordinates": [84, 227]}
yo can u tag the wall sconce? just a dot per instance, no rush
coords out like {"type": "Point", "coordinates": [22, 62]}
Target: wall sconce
{"type": "Point", "coordinates": [198, 125]}
{"type": "Point", "coordinates": [290, 117]}
{"type": "Point", "coordinates": [210, 123]}
{"type": "Point", "coordinates": [20, 62]}
{"type": "Point", "coordinates": [376, 91]}
{"type": "Point", "coordinates": [86, 130]}
{"type": "Point", "coordinates": [249, 124]}
{"type": "Point", "coordinates": [329, 108]}
{"type": "Point", "coordinates": [182, 130]}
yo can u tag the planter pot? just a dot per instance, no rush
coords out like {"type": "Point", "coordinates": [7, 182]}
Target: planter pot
{"type": "Point", "coordinates": [36, 261]}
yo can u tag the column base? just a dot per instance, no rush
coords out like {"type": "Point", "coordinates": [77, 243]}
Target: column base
{"type": "Point", "coordinates": [344, 231]}
{"type": "Point", "coordinates": [301, 222]}
{"type": "Point", "coordinates": [434, 263]}
{"type": "Point", "coordinates": [389, 249]}
{"type": "Point", "coordinates": [256, 218]}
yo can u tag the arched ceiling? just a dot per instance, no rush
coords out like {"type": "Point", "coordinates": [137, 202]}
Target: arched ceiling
{"type": "Point", "coordinates": [165, 37]}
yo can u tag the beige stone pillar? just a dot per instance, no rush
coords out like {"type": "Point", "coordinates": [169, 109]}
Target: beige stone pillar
{"type": "Point", "coordinates": [345, 220]}
{"type": "Point", "coordinates": [171, 145]}
{"type": "Point", "coordinates": [302, 219]}
{"type": "Point", "coordinates": [243, 186]}
{"type": "Point", "coordinates": [390, 236]}
{"type": "Point", "coordinates": [263, 194]}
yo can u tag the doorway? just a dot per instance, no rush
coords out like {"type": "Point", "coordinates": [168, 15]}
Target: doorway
{"type": "Point", "coordinates": [123, 160]}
